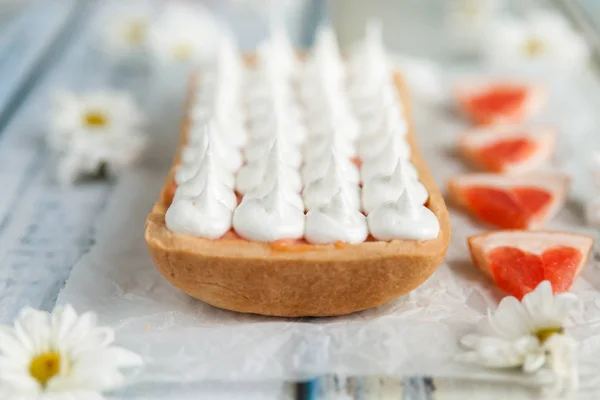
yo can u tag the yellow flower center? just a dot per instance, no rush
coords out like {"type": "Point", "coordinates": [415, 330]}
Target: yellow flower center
{"type": "Point", "coordinates": [135, 32]}
{"type": "Point", "coordinates": [544, 334]}
{"type": "Point", "coordinates": [182, 51]}
{"type": "Point", "coordinates": [534, 47]}
{"type": "Point", "coordinates": [45, 366]}
{"type": "Point", "coordinates": [471, 9]}
{"type": "Point", "coordinates": [95, 119]}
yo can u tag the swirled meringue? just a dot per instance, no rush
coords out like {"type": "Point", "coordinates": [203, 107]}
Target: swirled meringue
{"type": "Point", "coordinates": [193, 159]}
{"type": "Point", "coordinates": [387, 120]}
{"type": "Point", "coordinates": [267, 86]}
{"type": "Point", "coordinates": [319, 93]}
{"type": "Point", "coordinates": [270, 217]}
{"type": "Point", "coordinates": [393, 149]}
{"type": "Point", "coordinates": [229, 157]}
{"type": "Point", "coordinates": [334, 115]}
{"type": "Point", "coordinates": [280, 123]}
{"type": "Point", "coordinates": [403, 219]}
{"type": "Point", "coordinates": [207, 175]}
{"type": "Point", "coordinates": [258, 170]}
{"type": "Point", "coordinates": [320, 147]}
{"type": "Point", "coordinates": [384, 188]}
{"type": "Point", "coordinates": [320, 165]}
{"type": "Point", "coordinates": [383, 97]}
{"type": "Point", "coordinates": [336, 221]}
{"type": "Point", "coordinates": [265, 186]}
{"type": "Point", "coordinates": [325, 59]}
{"type": "Point", "coordinates": [321, 190]}
{"type": "Point", "coordinates": [280, 41]}
{"type": "Point", "coordinates": [258, 148]}
{"type": "Point", "coordinates": [278, 50]}
{"type": "Point", "coordinates": [368, 64]}
{"type": "Point", "coordinates": [372, 146]}
{"type": "Point", "coordinates": [203, 215]}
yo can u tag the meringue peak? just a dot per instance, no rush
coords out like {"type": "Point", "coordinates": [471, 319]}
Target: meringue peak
{"type": "Point", "coordinates": [407, 203]}
{"type": "Point", "coordinates": [338, 206]}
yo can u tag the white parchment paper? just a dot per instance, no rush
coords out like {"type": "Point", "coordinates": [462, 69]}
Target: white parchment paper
{"type": "Point", "coordinates": [184, 339]}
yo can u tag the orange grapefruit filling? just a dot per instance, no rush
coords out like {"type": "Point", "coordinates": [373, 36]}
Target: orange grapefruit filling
{"type": "Point", "coordinates": [495, 156]}
{"type": "Point", "coordinates": [507, 208]}
{"type": "Point", "coordinates": [498, 100]}
{"type": "Point", "coordinates": [519, 272]}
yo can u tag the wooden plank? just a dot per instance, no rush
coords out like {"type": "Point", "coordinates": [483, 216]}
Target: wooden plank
{"type": "Point", "coordinates": [27, 46]}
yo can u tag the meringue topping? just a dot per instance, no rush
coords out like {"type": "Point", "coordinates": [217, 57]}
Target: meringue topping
{"type": "Point", "coordinates": [403, 219]}
{"type": "Point", "coordinates": [260, 169]}
{"type": "Point", "coordinates": [281, 122]}
{"type": "Point", "coordinates": [372, 145]}
{"type": "Point", "coordinates": [193, 159]}
{"type": "Point", "coordinates": [258, 149]}
{"type": "Point", "coordinates": [229, 157]}
{"type": "Point", "coordinates": [207, 178]}
{"type": "Point", "coordinates": [336, 117]}
{"type": "Point", "coordinates": [336, 221]}
{"type": "Point", "coordinates": [368, 64]}
{"type": "Point", "coordinates": [266, 87]}
{"type": "Point", "coordinates": [370, 106]}
{"type": "Point", "coordinates": [203, 215]}
{"type": "Point", "coordinates": [387, 120]}
{"type": "Point", "coordinates": [192, 154]}
{"type": "Point", "coordinates": [319, 147]}
{"type": "Point", "coordinates": [292, 197]}
{"type": "Point", "coordinates": [394, 148]}
{"type": "Point", "coordinates": [326, 58]}
{"type": "Point", "coordinates": [278, 46]}
{"type": "Point", "coordinates": [321, 190]}
{"type": "Point", "coordinates": [319, 166]}
{"type": "Point", "coordinates": [270, 217]}
{"type": "Point", "coordinates": [384, 188]}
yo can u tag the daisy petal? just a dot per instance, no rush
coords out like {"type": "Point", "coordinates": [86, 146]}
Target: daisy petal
{"type": "Point", "coordinates": [510, 320]}
{"type": "Point", "coordinates": [533, 362]}
{"type": "Point", "coordinates": [63, 319]}
{"type": "Point", "coordinates": [10, 346]}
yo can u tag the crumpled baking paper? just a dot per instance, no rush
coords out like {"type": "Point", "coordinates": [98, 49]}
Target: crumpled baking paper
{"type": "Point", "coordinates": [183, 339]}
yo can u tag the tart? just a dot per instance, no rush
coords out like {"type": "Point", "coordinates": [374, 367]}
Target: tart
{"type": "Point", "coordinates": [294, 277]}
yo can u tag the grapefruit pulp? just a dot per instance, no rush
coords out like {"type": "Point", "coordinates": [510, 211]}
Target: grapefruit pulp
{"type": "Point", "coordinates": [507, 149]}
{"type": "Point", "coordinates": [510, 202]}
{"type": "Point", "coordinates": [518, 261]}
{"type": "Point", "coordinates": [499, 102]}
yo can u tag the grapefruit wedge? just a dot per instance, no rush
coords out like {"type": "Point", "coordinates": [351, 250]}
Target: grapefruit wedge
{"type": "Point", "coordinates": [507, 149]}
{"type": "Point", "coordinates": [518, 261]}
{"type": "Point", "coordinates": [499, 102]}
{"type": "Point", "coordinates": [511, 201]}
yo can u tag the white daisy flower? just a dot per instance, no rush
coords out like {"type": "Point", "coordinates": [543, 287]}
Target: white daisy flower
{"type": "Point", "coordinates": [100, 130]}
{"type": "Point", "coordinates": [184, 35]}
{"type": "Point", "coordinates": [469, 20]}
{"type": "Point", "coordinates": [543, 40]}
{"type": "Point", "coordinates": [60, 355]}
{"type": "Point", "coordinates": [529, 335]}
{"type": "Point", "coordinates": [126, 31]}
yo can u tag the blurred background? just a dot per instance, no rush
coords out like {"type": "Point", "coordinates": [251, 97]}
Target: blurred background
{"type": "Point", "coordinates": [137, 35]}
{"type": "Point", "coordinates": [431, 28]}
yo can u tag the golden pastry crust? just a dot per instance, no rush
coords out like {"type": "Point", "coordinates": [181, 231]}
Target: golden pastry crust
{"type": "Point", "coordinates": [302, 280]}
